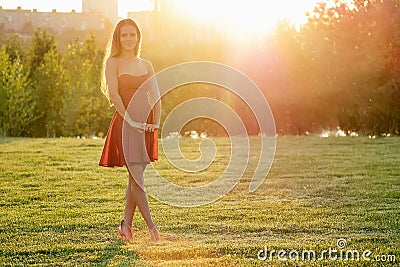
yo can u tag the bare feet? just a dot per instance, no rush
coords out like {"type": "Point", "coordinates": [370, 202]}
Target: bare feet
{"type": "Point", "coordinates": [125, 231]}
{"type": "Point", "coordinates": [154, 235]}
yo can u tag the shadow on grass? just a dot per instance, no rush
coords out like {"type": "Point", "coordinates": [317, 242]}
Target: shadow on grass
{"type": "Point", "coordinates": [117, 254]}
{"type": "Point", "coordinates": [6, 140]}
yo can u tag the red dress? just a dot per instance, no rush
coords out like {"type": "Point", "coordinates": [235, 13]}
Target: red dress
{"type": "Point", "coordinates": [124, 143]}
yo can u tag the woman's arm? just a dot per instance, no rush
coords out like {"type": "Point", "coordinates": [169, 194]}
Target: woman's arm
{"type": "Point", "coordinates": [111, 73]}
{"type": "Point", "coordinates": [154, 96]}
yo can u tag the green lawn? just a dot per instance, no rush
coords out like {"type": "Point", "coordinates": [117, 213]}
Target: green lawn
{"type": "Point", "coordinates": [59, 208]}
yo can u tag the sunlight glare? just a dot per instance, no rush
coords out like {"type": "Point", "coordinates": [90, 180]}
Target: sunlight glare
{"type": "Point", "coordinates": [251, 16]}
{"type": "Point", "coordinates": [255, 16]}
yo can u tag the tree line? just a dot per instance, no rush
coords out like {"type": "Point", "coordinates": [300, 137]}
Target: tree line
{"type": "Point", "coordinates": [340, 69]}
{"type": "Point", "coordinates": [49, 93]}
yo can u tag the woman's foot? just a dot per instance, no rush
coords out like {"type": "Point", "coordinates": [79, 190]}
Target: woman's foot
{"type": "Point", "coordinates": [125, 231]}
{"type": "Point", "coordinates": [154, 235]}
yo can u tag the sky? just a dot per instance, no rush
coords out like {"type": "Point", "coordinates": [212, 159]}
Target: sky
{"type": "Point", "coordinates": [67, 6]}
{"type": "Point", "coordinates": [255, 16]}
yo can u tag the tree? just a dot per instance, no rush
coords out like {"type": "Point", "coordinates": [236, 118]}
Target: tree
{"type": "Point", "coordinates": [16, 103]}
{"type": "Point", "coordinates": [15, 48]}
{"type": "Point", "coordinates": [41, 44]}
{"type": "Point", "coordinates": [46, 75]}
{"type": "Point", "coordinates": [49, 84]}
{"type": "Point", "coordinates": [86, 111]}
{"type": "Point", "coordinates": [348, 47]}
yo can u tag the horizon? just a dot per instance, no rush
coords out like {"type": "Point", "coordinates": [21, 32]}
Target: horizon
{"type": "Point", "coordinates": [258, 17]}
{"type": "Point", "coordinates": [68, 6]}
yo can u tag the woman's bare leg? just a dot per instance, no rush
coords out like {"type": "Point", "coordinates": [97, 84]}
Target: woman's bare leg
{"type": "Point", "coordinates": [125, 228]}
{"type": "Point", "coordinates": [130, 204]}
{"type": "Point", "coordinates": [138, 193]}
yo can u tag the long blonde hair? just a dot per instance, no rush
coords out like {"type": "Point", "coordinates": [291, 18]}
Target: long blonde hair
{"type": "Point", "coordinates": [114, 49]}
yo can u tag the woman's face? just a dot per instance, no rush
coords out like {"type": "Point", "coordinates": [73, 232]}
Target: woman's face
{"type": "Point", "coordinates": [128, 37]}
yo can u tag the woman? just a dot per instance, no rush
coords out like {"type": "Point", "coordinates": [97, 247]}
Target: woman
{"type": "Point", "coordinates": [133, 144]}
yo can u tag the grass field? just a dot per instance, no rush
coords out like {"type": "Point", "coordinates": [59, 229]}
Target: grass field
{"type": "Point", "coordinates": [59, 208]}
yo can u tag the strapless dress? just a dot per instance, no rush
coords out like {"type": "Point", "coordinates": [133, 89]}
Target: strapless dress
{"type": "Point", "coordinates": [123, 143]}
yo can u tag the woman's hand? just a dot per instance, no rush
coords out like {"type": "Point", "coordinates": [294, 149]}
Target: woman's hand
{"type": "Point", "coordinates": [140, 127]}
{"type": "Point", "coordinates": [151, 127]}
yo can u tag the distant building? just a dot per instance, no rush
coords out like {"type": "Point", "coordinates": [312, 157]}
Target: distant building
{"type": "Point", "coordinates": [22, 20]}
{"type": "Point", "coordinates": [164, 23]}
{"type": "Point", "coordinates": [146, 22]}
{"type": "Point", "coordinates": [108, 7]}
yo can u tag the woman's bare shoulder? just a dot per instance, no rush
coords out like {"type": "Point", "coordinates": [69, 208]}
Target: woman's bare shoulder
{"type": "Point", "coordinates": [112, 65]}
{"type": "Point", "coordinates": [112, 61]}
{"type": "Point", "coordinates": [147, 63]}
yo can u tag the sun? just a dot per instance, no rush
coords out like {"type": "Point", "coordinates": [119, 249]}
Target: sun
{"type": "Point", "coordinates": [250, 16]}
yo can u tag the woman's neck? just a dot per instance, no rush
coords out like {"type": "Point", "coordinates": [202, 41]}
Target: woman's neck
{"type": "Point", "coordinates": [127, 55]}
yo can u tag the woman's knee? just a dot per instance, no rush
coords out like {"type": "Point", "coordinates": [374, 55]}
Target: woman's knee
{"type": "Point", "coordinates": [135, 176]}
{"type": "Point", "coordinates": [134, 185]}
